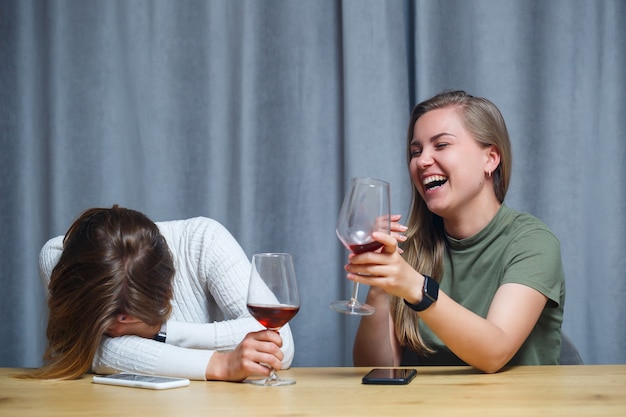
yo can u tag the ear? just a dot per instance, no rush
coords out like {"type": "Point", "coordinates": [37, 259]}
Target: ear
{"type": "Point", "coordinates": [492, 160]}
{"type": "Point", "coordinates": [126, 318]}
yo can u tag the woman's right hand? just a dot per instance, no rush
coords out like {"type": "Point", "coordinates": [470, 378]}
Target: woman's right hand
{"type": "Point", "coordinates": [252, 356]}
{"type": "Point", "coordinates": [386, 269]}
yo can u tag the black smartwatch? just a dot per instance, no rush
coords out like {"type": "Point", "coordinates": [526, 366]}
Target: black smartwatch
{"type": "Point", "coordinates": [162, 334]}
{"type": "Point", "coordinates": [430, 293]}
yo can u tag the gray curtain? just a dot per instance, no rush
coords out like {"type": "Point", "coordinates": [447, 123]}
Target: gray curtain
{"type": "Point", "coordinates": [257, 114]}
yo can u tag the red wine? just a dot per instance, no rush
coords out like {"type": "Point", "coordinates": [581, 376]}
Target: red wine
{"type": "Point", "coordinates": [272, 317]}
{"type": "Point", "coordinates": [368, 247]}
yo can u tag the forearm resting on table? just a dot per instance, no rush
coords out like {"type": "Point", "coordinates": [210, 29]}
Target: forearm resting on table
{"type": "Point", "coordinates": [486, 344]}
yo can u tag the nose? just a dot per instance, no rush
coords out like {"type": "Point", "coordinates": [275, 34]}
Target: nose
{"type": "Point", "coordinates": [424, 160]}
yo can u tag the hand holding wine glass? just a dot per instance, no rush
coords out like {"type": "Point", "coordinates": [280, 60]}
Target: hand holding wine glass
{"type": "Point", "coordinates": [273, 298]}
{"type": "Point", "coordinates": [365, 210]}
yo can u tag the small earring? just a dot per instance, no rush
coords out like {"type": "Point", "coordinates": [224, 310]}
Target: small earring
{"type": "Point", "coordinates": [489, 174]}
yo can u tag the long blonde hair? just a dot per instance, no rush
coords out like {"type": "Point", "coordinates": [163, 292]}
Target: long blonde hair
{"type": "Point", "coordinates": [114, 261]}
{"type": "Point", "coordinates": [425, 246]}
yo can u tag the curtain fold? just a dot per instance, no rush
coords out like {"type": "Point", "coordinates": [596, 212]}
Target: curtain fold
{"type": "Point", "coordinates": [258, 113]}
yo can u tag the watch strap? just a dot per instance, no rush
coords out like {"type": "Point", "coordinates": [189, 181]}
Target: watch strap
{"type": "Point", "coordinates": [162, 334]}
{"type": "Point", "coordinates": [430, 293]}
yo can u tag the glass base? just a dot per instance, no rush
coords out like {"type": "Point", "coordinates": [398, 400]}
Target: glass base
{"type": "Point", "coordinates": [272, 382]}
{"type": "Point", "coordinates": [352, 308]}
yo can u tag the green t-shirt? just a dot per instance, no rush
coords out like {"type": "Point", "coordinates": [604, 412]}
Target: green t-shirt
{"type": "Point", "coordinates": [513, 248]}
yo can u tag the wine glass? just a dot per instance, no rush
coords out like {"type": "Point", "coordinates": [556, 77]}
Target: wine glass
{"type": "Point", "coordinates": [273, 298]}
{"type": "Point", "coordinates": [365, 210]}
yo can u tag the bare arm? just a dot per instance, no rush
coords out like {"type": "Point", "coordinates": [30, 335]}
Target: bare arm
{"type": "Point", "coordinates": [375, 343]}
{"type": "Point", "coordinates": [487, 343]}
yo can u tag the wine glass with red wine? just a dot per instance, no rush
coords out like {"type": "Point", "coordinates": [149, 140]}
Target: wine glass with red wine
{"type": "Point", "coordinates": [273, 298]}
{"type": "Point", "coordinates": [365, 210]}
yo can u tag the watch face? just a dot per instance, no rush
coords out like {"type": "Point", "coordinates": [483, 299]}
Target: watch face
{"type": "Point", "coordinates": [431, 289]}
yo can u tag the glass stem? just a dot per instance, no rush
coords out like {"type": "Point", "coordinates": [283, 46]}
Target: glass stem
{"type": "Point", "coordinates": [273, 376]}
{"type": "Point", "coordinates": [355, 290]}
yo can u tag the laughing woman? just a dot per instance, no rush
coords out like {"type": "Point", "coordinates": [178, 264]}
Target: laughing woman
{"type": "Point", "coordinates": [476, 282]}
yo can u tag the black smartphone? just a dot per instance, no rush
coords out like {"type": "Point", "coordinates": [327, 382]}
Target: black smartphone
{"type": "Point", "coordinates": [390, 376]}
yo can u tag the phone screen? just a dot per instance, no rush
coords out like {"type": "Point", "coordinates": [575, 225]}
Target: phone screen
{"type": "Point", "coordinates": [390, 376]}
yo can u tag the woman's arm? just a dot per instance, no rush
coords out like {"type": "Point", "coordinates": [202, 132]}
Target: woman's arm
{"type": "Point", "coordinates": [142, 355]}
{"type": "Point", "coordinates": [224, 336]}
{"type": "Point", "coordinates": [375, 343]}
{"type": "Point", "coordinates": [132, 353]}
{"type": "Point", "coordinates": [487, 343]}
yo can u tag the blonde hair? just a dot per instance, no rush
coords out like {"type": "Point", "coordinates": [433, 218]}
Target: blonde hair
{"type": "Point", "coordinates": [114, 261]}
{"type": "Point", "coordinates": [425, 246]}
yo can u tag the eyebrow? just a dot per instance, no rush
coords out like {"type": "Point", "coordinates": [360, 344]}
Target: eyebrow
{"type": "Point", "coordinates": [414, 142]}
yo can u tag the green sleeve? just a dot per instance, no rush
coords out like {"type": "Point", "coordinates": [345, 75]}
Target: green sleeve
{"type": "Point", "coordinates": [534, 260]}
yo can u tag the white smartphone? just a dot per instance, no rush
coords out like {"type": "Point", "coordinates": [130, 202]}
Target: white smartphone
{"type": "Point", "coordinates": [127, 379]}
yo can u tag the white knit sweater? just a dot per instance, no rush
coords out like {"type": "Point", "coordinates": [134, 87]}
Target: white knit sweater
{"type": "Point", "coordinates": [208, 309]}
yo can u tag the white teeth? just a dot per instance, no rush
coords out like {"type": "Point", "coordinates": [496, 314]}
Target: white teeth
{"type": "Point", "coordinates": [434, 178]}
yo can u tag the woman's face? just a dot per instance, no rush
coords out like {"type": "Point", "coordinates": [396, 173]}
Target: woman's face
{"type": "Point", "coordinates": [448, 166]}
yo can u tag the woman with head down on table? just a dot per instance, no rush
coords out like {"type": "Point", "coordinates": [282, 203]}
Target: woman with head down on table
{"type": "Point", "coordinates": [167, 298]}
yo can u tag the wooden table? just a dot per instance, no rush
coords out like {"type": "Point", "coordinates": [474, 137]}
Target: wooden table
{"type": "Point", "coordinates": [546, 391]}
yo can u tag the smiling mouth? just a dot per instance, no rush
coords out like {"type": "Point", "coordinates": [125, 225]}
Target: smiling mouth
{"type": "Point", "coordinates": [435, 181]}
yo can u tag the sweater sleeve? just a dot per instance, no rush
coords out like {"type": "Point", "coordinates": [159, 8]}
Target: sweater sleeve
{"type": "Point", "coordinates": [146, 356]}
{"type": "Point", "coordinates": [226, 335]}
{"type": "Point", "coordinates": [48, 258]}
